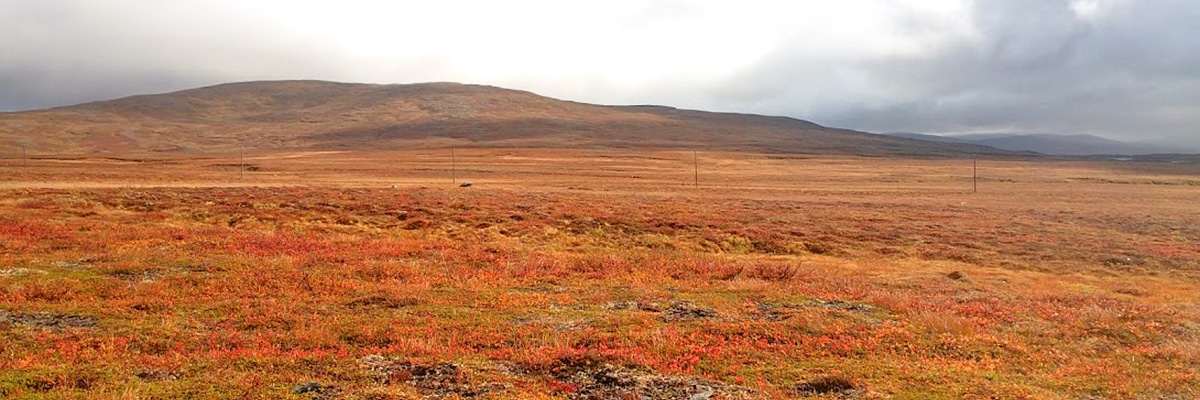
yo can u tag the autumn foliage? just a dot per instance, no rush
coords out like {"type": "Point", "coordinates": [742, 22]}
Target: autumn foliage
{"type": "Point", "coordinates": [244, 292]}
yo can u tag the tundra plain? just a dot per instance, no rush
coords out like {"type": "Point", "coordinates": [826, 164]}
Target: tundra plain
{"type": "Point", "coordinates": [597, 274]}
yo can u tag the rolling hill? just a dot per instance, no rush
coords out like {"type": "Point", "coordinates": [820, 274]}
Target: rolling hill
{"type": "Point", "coordinates": [317, 115]}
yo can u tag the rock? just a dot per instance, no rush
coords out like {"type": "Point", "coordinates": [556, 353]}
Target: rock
{"type": "Point", "coordinates": [317, 390]}
{"type": "Point", "coordinates": [134, 275]}
{"type": "Point", "coordinates": [466, 184]}
{"type": "Point", "coordinates": [594, 379]}
{"type": "Point", "coordinates": [434, 380]}
{"type": "Point", "coordinates": [830, 384]}
{"type": "Point", "coordinates": [957, 275]}
{"type": "Point", "coordinates": [307, 387]}
{"type": "Point", "coordinates": [704, 394]}
{"type": "Point", "coordinates": [685, 310]}
{"type": "Point", "coordinates": [769, 312]}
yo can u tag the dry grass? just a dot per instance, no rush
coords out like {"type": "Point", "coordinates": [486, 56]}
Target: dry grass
{"type": "Point", "coordinates": [776, 278]}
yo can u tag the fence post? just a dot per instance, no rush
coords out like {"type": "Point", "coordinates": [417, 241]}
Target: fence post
{"type": "Point", "coordinates": [974, 175]}
{"type": "Point", "coordinates": [696, 169]}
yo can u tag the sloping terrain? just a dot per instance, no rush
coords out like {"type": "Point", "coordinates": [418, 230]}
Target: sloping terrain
{"type": "Point", "coordinates": [314, 115]}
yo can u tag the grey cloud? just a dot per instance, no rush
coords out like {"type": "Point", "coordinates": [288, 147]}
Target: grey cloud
{"type": "Point", "coordinates": [1040, 69]}
{"type": "Point", "coordinates": [73, 51]}
{"type": "Point", "coordinates": [40, 88]}
{"type": "Point", "coordinates": [1035, 67]}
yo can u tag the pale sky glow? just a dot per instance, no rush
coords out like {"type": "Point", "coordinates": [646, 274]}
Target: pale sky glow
{"type": "Point", "coordinates": [1095, 9]}
{"type": "Point", "coordinates": [1126, 69]}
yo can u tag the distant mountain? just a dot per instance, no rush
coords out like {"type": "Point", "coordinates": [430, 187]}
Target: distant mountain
{"type": "Point", "coordinates": [930, 138]}
{"type": "Point", "coordinates": [1066, 145]}
{"type": "Point", "coordinates": [317, 115]}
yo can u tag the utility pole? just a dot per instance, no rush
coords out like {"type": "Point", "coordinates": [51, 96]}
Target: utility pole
{"type": "Point", "coordinates": [453, 167]}
{"type": "Point", "coordinates": [241, 162]}
{"type": "Point", "coordinates": [696, 169]}
{"type": "Point", "coordinates": [24, 158]}
{"type": "Point", "coordinates": [974, 175]}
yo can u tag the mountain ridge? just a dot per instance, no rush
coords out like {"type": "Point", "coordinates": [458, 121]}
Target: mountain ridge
{"type": "Point", "coordinates": [1051, 144]}
{"type": "Point", "coordinates": [314, 115]}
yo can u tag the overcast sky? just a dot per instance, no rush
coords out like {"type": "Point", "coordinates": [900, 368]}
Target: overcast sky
{"type": "Point", "coordinates": [1125, 69]}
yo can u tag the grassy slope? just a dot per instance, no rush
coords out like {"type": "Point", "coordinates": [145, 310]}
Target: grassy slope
{"type": "Point", "coordinates": [325, 115]}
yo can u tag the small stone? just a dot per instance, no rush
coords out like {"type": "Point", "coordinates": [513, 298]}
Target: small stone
{"type": "Point", "coordinates": [832, 384]}
{"type": "Point", "coordinates": [704, 394]}
{"type": "Point", "coordinates": [307, 387]}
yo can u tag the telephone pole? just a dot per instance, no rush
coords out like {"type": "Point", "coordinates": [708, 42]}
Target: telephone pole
{"type": "Point", "coordinates": [241, 162]}
{"type": "Point", "coordinates": [453, 167]}
{"type": "Point", "coordinates": [695, 169]}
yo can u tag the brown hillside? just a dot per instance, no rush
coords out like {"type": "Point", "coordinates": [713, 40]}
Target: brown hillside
{"type": "Point", "coordinates": [302, 115]}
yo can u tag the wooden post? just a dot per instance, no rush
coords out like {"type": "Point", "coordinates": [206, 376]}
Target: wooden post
{"type": "Point", "coordinates": [696, 169]}
{"type": "Point", "coordinates": [974, 175]}
{"type": "Point", "coordinates": [453, 167]}
{"type": "Point", "coordinates": [24, 158]}
{"type": "Point", "coordinates": [241, 162]}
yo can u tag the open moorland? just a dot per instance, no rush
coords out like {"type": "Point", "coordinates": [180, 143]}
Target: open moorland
{"type": "Point", "coordinates": [597, 274]}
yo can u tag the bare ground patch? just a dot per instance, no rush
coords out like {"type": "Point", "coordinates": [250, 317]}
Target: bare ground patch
{"type": "Point", "coordinates": [55, 321]}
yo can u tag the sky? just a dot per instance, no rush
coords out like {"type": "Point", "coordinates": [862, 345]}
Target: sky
{"type": "Point", "coordinates": [1123, 69]}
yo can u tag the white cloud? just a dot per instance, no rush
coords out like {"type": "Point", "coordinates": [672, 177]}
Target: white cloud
{"type": "Point", "coordinates": [621, 43]}
{"type": "Point", "coordinates": [1093, 10]}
